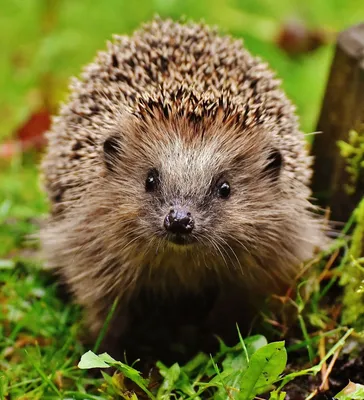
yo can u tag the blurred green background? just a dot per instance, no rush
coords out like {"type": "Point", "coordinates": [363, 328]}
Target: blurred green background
{"type": "Point", "coordinates": [44, 42]}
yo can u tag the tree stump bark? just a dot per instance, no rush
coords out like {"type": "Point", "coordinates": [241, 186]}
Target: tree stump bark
{"type": "Point", "coordinates": [342, 111]}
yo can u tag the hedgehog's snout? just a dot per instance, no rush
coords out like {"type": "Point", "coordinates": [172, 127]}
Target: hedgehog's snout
{"type": "Point", "coordinates": [179, 222]}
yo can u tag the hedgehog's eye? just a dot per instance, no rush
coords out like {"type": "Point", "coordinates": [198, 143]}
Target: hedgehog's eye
{"type": "Point", "coordinates": [152, 180]}
{"type": "Point", "coordinates": [223, 189]}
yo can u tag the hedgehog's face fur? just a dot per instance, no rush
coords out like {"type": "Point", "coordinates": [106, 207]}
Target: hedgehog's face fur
{"type": "Point", "coordinates": [177, 185]}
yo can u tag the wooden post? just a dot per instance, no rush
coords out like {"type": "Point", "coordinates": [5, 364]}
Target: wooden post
{"type": "Point", "coordinates": [342, 110]}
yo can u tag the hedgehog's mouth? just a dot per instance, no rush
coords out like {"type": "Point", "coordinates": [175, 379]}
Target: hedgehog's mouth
{"type": "Point", "coordinates": [181, 239]}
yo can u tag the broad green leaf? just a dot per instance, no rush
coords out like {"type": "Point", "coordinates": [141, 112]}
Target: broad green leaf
{"type": "Point", "coordinates": [107, 358]}
{"type": "Point", "coordinates": [353, 391]}
{"type": "Point", "coordinates": [185, 385]}
{"type": "Point", "coordinates": [169, 383]}
{"type": "Point", "coordinates": [236, 363]}
{"type": "Point", "coordinates": [254, 343]}
{"type": "Point", "coordinates": [185, 381]}
{"type": "Point", "coordinates": [198, 361]}
{"type": "Point", "coordinates": [265, 366]}
{"type": "Point", "coordinates": [91, 360]}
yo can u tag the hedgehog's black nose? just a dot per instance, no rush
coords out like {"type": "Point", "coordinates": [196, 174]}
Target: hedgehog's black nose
{"type": "Point", "coordinates": [179, 222]}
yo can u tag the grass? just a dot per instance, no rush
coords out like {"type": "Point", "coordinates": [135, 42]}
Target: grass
{"type": "Point", "coordinates": [40, 333]}
{"type": "Point", "coordinates": [40, 347]}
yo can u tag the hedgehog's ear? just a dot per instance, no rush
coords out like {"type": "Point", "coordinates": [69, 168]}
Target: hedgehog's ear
{"type": "Point", "coordinates": [274, 164]}
{"type": "Point", "coordinates": [112, 151]}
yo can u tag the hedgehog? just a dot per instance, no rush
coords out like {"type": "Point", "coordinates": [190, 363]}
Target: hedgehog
{"type": "Point", "coordinates": [178, 181]}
